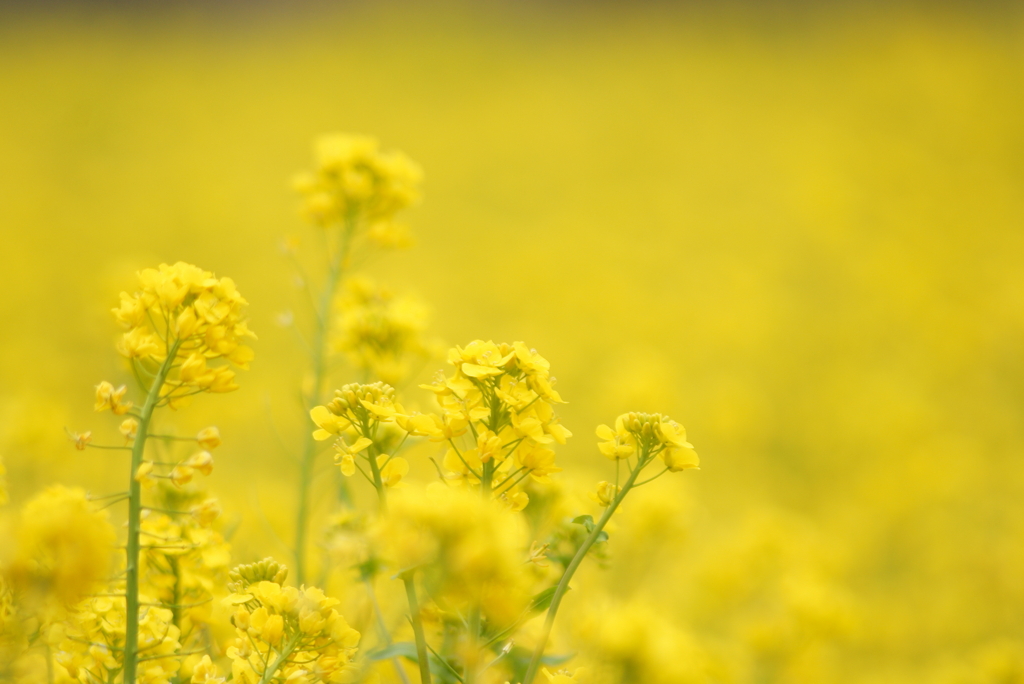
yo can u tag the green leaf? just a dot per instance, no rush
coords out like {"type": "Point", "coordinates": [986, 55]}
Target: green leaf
{"type": "Point", "coordinates": [586, 520]}
{"type": "Point", "coordinates": [404, 649]}
{"type": "Point", "coordinates": [557, 659]}
{"type": "Point", "coordinates": [602, 537]}
{"type": "Point", "coordinates": [542, 600]}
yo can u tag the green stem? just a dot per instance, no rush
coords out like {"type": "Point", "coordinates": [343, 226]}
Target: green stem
{"type": "Point", "coordinates": [563, 584]}
{"type": "Point", "coordinates": [474, 635]}
{"type": "Point", "coordinates": [417, 627]}
{"type": "Point", "coordinates": [131, 639]}
{"type": "Point", "coordinates": [176, 604]}
{"type": "Point", "coordinates": [378, 480]}
{"type": "Point", "coordinates": [319, 354]}
{"type": "Point", "coordinates": [485, 481]}
{"type": "Point", "coordinates": [385, 635]}
{"type": "Point", "coordinates": [268, 674]}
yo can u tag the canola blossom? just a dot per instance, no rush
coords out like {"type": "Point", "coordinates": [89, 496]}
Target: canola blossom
{"type": "Point", "coordinates": [463, 572]}
{"type": "Point", "coordinates": [794, 229]}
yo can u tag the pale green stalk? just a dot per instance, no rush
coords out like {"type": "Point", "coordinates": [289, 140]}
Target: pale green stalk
{"type": "Point", "coordinates": [319, 354]}
{"type": "Point", "coordinates": [417, 627]}
{"type": "Point", "coordinates": [131, 637]}
{"type": "Point", "coordinates": [378, 480]}
{"type": "Point", "coordinates": [563, 584]}
{"type": "Point", "coordinates": [486, 480]}
{"type": "Point", "coordinates": [271, 670]}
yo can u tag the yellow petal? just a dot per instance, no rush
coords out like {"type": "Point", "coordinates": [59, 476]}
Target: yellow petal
{"type": "Point", "coordinates": [475, 371]}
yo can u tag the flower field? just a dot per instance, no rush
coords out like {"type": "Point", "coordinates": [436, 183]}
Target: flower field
{"type": "Point", "coordinates": [355, 343]}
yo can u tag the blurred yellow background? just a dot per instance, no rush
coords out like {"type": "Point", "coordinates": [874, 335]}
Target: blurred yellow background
{"type": "Point", "coordinates": [797, 231]}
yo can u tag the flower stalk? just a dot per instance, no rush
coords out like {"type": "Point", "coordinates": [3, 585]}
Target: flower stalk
{"type": "Point", "coordinates": [408, 578]}
{"type": "Point", "coordinates": [131, 642]}
{"type": "Point", "coordinates": [319, 353]}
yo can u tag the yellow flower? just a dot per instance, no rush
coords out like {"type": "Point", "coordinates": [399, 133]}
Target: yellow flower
{"type": "Point", "coordinates": [81, 440]}
{"type": "Point", "coordinates": [107, 397]}
{"type": "Point", "coordinates": [648, 434]}
{"type": "Point", "coordinates": [144, 474]}
{"type": "Point", "coordinates": [209, 438]}
{"type": "Point", "coordinates": [605, 494]}
{"type": "Point", "coordinates": [188, 312]}
{"type": "Point", "coordinates": [379, 331]}
{"type": "Point", "coordinates": [419, 424]}
{"type": "Point", "coordinates": [392, 470]}
{"type": "Point", "coordinates": [63, 548]}
{"type": "Point", "coordinates": [265, 612]}
{"type": "Point", "coordinates": [201, 461]}
{"type": "Point", "coordinates": [206, 512]}
{"type": "Point", "coordinates": [539, 460]}
{"type": "Point", "coordinates": [272, 629]}
{"type": "Point", "coordinates": [472, 547]}
{"type": "Point", "coordinates": [680, 459]}
{"type": "Point", "coordinates": [129, 428]}
{"type": "Point", "coordinates": [617, 444]}
{"type": "Point", "coordinates": [354, 178]}
{"type": "Point", "coordinates": [328, 423]}
{"type": "Point", "coordinates": [205, 672]}
{"type": "Point", "coordinates": [180, 474]}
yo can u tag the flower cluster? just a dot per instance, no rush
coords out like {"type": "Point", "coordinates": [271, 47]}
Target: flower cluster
{"type": "Point", "coordinates": [356, 181]}
{"type": "Point", "coordinates": [467, 550]}
{"type": "Point", "coordinates": [181, 472]}
{"type": "Point", "coordinates": [285, 633]}
{"type": "Point", "coordinates": [504, 396]}
{"type": "Point", "coordinates": [182, 565]}
{"type": "Point", "coordinates": [355, 416]}
{"type": "Point", "coordinates": [648, 435]}
{"type": "Point", "coordinates": [89, 646]}
{"type": "Point", "coordinates": [380, 332]}
{"type": "Point", "coordinates": [180, 320]}
{"type": "Point", "coordinates": [63, 550]}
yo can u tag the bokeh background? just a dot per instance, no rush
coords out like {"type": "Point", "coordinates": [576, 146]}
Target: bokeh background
{"type": "Point", "coordinates": [797, 229]}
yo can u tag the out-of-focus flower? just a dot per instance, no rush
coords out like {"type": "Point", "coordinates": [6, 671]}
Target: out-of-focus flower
{"type": "Point", "coordinates": [355, 180]}
{"type": "Point", "coordinates": [63, 549]}
{"type": "Point", "coordinates": [187, 313]}
{"type": "Point", "coordinates": [380, 332]}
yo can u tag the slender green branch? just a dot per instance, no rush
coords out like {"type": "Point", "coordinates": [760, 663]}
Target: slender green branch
{"type": "Point", "coordinates": [378, 480]}
{"type": "Point", "coordinates": [563, 584]}
{"type": "Point", "coordinates": [319, 353]}
{"type": "Point", "coordinates": [468, 467]}
{"type": "Point", "coordinates": [385, 635]}
{"type": "Point", "coordinates": [441, 659]}
{"type": "Point", "coordinates": [131, 641]}
{"type": "Point", "coordinates": [417, 627]}
{"type": "Point", "coordinates": [282, 656]}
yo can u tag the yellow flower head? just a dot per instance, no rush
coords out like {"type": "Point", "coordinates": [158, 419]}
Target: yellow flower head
{"type": "Point", "coordinates": [109, 397]}
{"type": "Point", "coordinates": [355, 180]}
{"type": "Point", "coordinates": [605, 494]}
{"type": "Point", "coordinates": [206, 512]}
{"type": "Point", "coordinates": [209, 438]}
{"type": "Point", "coordinates": [356, 406]}
{"type": "Point", "coordinates": [648, 434]}
{"type": "Point", "coordinates": [63, 548]}
{"type": "Point", "coordinates": [380, 331]}
{"type": "Point", "coordinates": [467, 549]}
{"type": "Point", "coordinates": [271, 620]}
{"type": "Point", "coordinates": [129, 428]}
{"type": "Point", "coordinates": [181, 319]}
{"type": "Point", "coordinates": [504, 392]}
